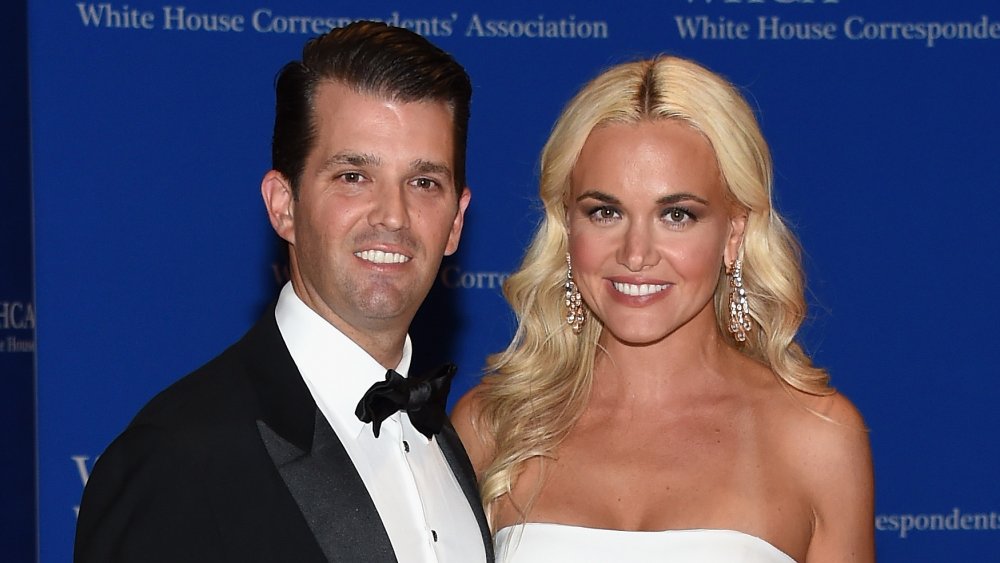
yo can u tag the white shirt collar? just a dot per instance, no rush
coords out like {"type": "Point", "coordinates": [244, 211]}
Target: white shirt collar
{"type": "Point", "coordinates": [336, 370]}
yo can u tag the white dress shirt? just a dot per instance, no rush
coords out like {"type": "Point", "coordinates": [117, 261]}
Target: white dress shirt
{"type": "Point", "coordinates": [422, 506]}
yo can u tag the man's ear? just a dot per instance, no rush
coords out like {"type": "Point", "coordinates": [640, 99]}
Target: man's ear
{"type": "Point", "coordinates": [456, 226]}
{"type": "Point", "coordinates": [280, 204]}
{"type": "Point", "coordinates": [737, 226]}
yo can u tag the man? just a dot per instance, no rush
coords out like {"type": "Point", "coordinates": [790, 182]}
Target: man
{"type": "Point", "coordinates": [269, 452]}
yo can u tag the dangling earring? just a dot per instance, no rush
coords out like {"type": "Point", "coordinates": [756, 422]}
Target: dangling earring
{"type": "Point", "coordinates": [739, 311]}
{"type": "Point", "coordinates": [575, 314]}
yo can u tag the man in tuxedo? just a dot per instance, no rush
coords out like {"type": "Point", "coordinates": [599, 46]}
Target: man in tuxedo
{"type": "Point", "coordinates": [274, 450]}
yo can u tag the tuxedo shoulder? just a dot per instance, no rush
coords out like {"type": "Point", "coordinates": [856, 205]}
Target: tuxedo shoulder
{"type": "Point", "coordinates": [214, 392]}
{"type": "Point", "coordinates": [216, 407]}
{"type": "Point", "coordinates": [206, 418]}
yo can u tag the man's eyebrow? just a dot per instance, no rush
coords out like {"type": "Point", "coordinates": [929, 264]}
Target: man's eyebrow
{"type": "Point", "coordinates": [599, 196]}
{"type": "Point", "coordinates": [430, 167]}
{"type": "Point", "coordinates": [360, 160]}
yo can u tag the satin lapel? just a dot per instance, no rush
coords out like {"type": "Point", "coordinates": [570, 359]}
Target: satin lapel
{"type": "Point", "coordinates": [460, 465]}
{"type": "Point", "coordinates": [331, 495]}
{"type": "Point", "coordinates": [308, 455]}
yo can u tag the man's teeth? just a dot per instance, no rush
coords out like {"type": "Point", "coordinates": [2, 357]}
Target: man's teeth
{"type": "Point", "coordinates": [381, 257]}
{"type": "Point", "coordinates": [639, 289]}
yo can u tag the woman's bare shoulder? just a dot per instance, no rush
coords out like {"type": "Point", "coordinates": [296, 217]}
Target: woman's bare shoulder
{"type": "Point", "coordinates": [827, 429]}
{"type": "Point", "coordinates": [466, 417]}
{"type": "Point", "coordinates": [829, 441]}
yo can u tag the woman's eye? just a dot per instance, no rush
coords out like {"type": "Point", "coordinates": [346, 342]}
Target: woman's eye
{"type": "Point", "coordinates": [678, 215]}
{"type": "Point", "coordinates": [604, 214]}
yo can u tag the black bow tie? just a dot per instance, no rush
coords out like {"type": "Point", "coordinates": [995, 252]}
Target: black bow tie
{"type": "Point", "coordinates": [423, 398]}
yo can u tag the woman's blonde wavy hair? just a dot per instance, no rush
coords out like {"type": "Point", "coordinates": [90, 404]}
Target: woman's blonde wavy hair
{"type": "Point", "coordinates": [536, 389]}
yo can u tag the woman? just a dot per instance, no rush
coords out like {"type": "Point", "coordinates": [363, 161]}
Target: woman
{"type": "Point", "coordinates": [653, 405]}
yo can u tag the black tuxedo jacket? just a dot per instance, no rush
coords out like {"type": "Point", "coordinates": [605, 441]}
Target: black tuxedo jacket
{"type": "Point", "coordinates": [235, 463]}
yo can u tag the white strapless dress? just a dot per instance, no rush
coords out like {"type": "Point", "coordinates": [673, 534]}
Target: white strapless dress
{"type": "Point", "coordinates": [553, 543]}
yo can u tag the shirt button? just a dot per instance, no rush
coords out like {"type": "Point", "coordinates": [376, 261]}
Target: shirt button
{"type": "Point", "coordinates": [406, 446]}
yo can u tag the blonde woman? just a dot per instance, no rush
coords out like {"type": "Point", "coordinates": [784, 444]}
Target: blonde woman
{"type": "Point", "coordinates": [654, 405]}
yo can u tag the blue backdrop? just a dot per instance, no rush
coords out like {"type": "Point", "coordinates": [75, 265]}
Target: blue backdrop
{"type": "Point", "coordinates": [150, 130]}
{"type": "Point", "coordinates": [17, 317]}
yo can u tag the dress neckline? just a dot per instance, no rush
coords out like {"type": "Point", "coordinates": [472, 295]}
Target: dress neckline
{"type": "Point", "coordinates": [686, 531]}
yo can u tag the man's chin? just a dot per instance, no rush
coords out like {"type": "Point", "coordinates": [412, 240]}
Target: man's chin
{"type": "Point", "coordinates": [387, 305]}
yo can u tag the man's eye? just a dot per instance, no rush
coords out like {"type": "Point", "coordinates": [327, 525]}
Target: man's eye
{"type": "Point", "coordinates": [351, 177]}
{"type": "Point", "coordinates": [425, 183]}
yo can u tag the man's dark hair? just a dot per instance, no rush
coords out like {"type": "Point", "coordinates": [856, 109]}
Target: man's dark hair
{"type": "Point", "coordinates": [372, 58]}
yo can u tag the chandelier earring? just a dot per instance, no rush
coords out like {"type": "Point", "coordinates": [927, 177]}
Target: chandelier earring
{"type": "Point", "coordinates": [739, 312]}
{"type": "Point", "coordinates": [575, 313]}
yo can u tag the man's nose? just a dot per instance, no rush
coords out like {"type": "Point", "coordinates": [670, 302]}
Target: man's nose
{"type": "Point", "coordinates": [389, 210]}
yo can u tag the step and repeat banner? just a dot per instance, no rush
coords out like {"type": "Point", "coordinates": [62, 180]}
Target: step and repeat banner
{"type": "Point", "coordinates": [150, 132]}
{"type": "Point", "coordinates": [17, 308]}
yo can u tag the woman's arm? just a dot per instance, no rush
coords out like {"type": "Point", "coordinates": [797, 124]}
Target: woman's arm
{"type": "Point", "coordinates": [841, 480]}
